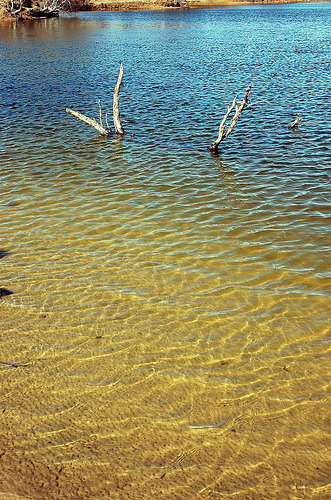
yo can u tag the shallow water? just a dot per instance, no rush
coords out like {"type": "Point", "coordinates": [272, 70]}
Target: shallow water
{"type": "Point", "coordinates": [168, 332]}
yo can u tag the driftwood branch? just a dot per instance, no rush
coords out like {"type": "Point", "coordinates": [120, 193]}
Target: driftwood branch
{"type": "Point", "coordinates": [116, 113]}
{"type": "Point", "coordinates": [222, 133]}
{"type": "Point", "coordinates": [90, 121]}
{"type": "Point", "coordinates": [116, 110]}
{"type": "Point", "coordinates": [296, 122]}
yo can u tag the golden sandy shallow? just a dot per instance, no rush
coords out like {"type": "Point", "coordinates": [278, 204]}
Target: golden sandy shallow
{"type": "Point", "coordinates": [122, 404]}
{"type": "Point", "coordinates": [79, 421]}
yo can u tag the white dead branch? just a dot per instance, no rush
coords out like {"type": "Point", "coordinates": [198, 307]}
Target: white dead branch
{"type": "Point", "coordinates": [116, 113]}
{"type": "Point", "coordinates": [90, 121]}
{"type": "Point", "coordinates": [53, 5]}
{"type": "Point", "coordinates": [47, 8]}
{"type": "Point", "coordinates": [222, 133]}
{"type": "Point", "coordinates": [15, 7]}
{"type": "Point", "coordinates": [116, 110]}
{"type": "Point", "coordinates": [296, 122]}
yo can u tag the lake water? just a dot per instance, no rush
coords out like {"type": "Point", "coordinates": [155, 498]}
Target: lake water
{"type": "Point", "coordinates": [167, 335]}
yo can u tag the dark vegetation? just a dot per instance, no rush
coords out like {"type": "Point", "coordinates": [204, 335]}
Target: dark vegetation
{"type": "Point", "coordinates": [32, 9]}
{"type": "Point", "coordinates": [29, 9]}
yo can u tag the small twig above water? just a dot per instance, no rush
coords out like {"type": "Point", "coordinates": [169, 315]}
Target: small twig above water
{"type": "Point", "coordinates": [100, 114]}
{"type": "Point", "coordinates": [295, 123]}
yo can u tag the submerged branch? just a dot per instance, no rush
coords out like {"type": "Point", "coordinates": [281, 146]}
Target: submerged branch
{"type": "Point", "coordinates": [221, 131]}
{"type": "Point", "coordinates": [296, 122]}
{"type": "Point", "coordinates": [90, 121]}
{"type": "Point", "coordinates": [222, 134]}
{"type": "Point", "coordinates": [116, 109]}
{"type": "Point", "coordinates": [14, 364]}
{"type": "Point", "coordinates": [116, 113]}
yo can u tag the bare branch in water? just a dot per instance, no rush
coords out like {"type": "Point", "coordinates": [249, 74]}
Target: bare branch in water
{"type": "Point", "coordinates": [90, 121]}
{"type": "Point", "coordinates": [116, 113]}
{"type": "Point", "coordinates": [296, 122]}
{"type": "Point", "coordinates": [116, 109]}
{"type": "Point", "coordinates": [222, 133]}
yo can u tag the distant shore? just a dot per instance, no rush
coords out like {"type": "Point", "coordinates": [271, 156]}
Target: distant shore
{"type": "Point", "coordinates": [124, 5]}
{"type": "Point", "coordinates": [130, 5]}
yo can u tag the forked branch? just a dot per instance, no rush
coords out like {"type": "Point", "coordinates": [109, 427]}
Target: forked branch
{"type": "Point", "coordinates": [222, 133]}
{"type": "Point", "coordinates": [104, 130]}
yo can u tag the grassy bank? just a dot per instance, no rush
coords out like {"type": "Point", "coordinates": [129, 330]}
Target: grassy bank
{"type": "Point", "coordinates": [171, 4]}
{"type": "Point", "coordinates": [110, 5]}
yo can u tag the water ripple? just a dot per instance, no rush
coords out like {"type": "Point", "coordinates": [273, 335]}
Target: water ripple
{"type": "Point", "coordinates": [170, 307]}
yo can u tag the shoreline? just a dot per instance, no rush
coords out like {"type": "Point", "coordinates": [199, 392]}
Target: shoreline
{"type": "Point", "coordinates": [123, 6]}
{"type": "Point", "coordinates": [158, 5]}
